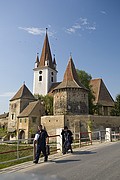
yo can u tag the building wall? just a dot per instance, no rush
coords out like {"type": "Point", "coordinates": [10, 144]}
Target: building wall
{"type": "Point", "coordinates": [104, 110]}
{"type": "Point", "coordinates": [15, 108]}
{"type": "Point", "coordinates": [51, 123]}
{"type": "Point", "coordinates": [79, 123]}
{"type": "Point", "coordinates": [42, 87]}
{"type": "Point", "coordinates": [4, 122]}
{"type": "Point", "coordinates": [70, 101]}
{"type": "Point", "coordinates": [23, 124]}
{"type": "Point", "coordinates": [104, 121]}
{"type": "Point", "coordinates": [30, 124]}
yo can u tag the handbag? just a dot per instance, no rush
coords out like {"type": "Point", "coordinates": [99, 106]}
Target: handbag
{"type": "Point", "coordinates": [47, 149]}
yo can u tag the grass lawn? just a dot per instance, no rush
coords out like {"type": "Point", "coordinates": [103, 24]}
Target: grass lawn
{"type": "Point", "coordinates": [24, 150]}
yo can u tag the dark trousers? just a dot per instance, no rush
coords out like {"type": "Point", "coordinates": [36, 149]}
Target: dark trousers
{"type": "Point", "coordinates": [39, 150]}
{"type": "Point", "coordinates": [66, 147]}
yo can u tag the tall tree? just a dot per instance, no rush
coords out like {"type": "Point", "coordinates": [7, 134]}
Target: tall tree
{"type": "Point", "coordinates": [48, 103]}
{"type": "Point", "coordinates": [85, 80]}
{"type": "Point", "coordinates": [116, 110]}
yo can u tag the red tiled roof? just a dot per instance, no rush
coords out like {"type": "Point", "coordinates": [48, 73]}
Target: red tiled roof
{"type": "Point", "coordinates": [29, 109]}
{"type": "Point", "coordinates": [70, 79]}
{"type": "Point", "coordinates": [23, 93]}
{"type": "Point", "coordinates": [102, 95]}
{"type": "Point", "coordinates": [46, 54]}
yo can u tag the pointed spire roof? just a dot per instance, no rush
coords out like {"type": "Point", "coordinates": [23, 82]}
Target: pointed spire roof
{"type": "Point", "coordinates": [70, 79]}
{"type": "Point", "coordinates": [46, 53]}
{"type": "Point", "coordinates": [37, 59]}
{"type": "Point", "coordinates": [54, 61]}
{"type": "Point", "coordinates": [23, 93]}
{"type": "Point", "coordinates": [102, 95]}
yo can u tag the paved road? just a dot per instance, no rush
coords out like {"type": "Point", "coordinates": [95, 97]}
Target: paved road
{"type": "Point", "coordinates": [91, 163]}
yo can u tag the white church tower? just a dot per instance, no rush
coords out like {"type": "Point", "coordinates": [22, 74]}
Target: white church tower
{"type": "Point", "coordinates": [45, 73]}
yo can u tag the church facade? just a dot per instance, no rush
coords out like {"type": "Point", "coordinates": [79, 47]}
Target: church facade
{"type": "Point", "coordinates": [70, 106]}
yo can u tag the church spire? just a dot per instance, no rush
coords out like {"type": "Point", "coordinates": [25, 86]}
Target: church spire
{"type": "Point", "coordinates": [54, 61]}
{"type": "Point", "coordinates": [70, 74]}
{"type": "Point", "coordinates": [37, 61]}
{"type": "Point", "coordinates": [70, 79]}
{"type": "Point", "coordinates": [46, 57]}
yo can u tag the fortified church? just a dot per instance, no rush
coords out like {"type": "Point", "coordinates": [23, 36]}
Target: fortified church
{"type": "Point", "coordinates": [70, 106]}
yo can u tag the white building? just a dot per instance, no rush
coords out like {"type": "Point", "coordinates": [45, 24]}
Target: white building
{"type": "Point", "coordinates": [45, 73]}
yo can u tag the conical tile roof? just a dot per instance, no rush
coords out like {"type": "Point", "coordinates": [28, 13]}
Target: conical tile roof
{"type": "Point", "coordinates": [46, 54]}
{"type": "Point", "coordinates": [70, 79]}
{"type": "Point", "coordinates": [23, 93]}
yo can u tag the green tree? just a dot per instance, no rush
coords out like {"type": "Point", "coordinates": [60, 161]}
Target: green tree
{"type": "Point", "coordinates": [116, 110]}
{"type": "Point", "coordinates": [85, 80]}
{"type": "Point", "coordinates": [48, 103]}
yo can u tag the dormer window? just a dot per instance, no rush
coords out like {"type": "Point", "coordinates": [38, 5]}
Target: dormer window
{"type": "Point", "coordinates": [47, 63]}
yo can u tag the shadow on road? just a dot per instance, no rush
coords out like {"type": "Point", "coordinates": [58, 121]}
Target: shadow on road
{"type": "Point", "coordinates": [83, 152]}
{"type": "Point", "coordinates": [66, 161]}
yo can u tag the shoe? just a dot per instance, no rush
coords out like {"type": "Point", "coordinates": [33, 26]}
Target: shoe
{"type": "Point", "coordinates": [45, 159]}
{"type": "Point", "coordinates": [71, 151]}
{"type": "Point", "coordinates": [35, 161]}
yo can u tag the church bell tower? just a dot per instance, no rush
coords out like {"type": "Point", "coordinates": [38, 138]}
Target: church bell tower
{"type": "Point", "coordinates": [45, 73]}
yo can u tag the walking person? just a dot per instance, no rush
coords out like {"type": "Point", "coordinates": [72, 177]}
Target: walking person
{"type": "Point", "coordinates": [67, 140]}
{"type": "Point", "coordinates": [41, 139]}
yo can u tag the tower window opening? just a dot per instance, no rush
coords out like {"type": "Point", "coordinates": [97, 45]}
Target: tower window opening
{"type": "Point", "coordinates": [51, 79]}
{"type": "Point", "coordinates": [40, 78]}
{"type": "Point", "coordinates": [12, 116]}
{"type": "Point", "coordinates": [40, 72]}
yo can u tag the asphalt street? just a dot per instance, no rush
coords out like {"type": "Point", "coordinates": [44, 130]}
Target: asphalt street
{"type": "Point", "coordinates": [100, 162]}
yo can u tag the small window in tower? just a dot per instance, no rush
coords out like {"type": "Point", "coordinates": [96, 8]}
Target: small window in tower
{"type": "Point", "coordinates": [12, 116]}
{"type": "Point", "coordinates": [51, 79]}
{"type": "Point", "coordinates": [52, 73]}
{"type": "Point", "coordinates": [40, 72]}
{"type": "Point", "coordinates": [34, 119]}
{"type": "Point", "coordinates": [40, 78]}
{"type": "Point", "coordinates": [20, 120]}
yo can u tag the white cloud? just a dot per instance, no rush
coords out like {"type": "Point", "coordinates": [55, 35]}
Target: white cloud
{"type": "Point", "coordinates": [84, 21]}
{"type": "Point", "coordinates": [36, 30]}
{"type": "Point", "coordinates": [103, 12]}
{"type": "Point", "coordinates": [77, 26]}
{"type": "Point", "coordinates": [81, 25]}
{"type": "Point", "coordinates": [91, 28]}
{"type": "Point", "coordinates": [7, 94]}
{"type": "Point", "coordinates": [70, 30]}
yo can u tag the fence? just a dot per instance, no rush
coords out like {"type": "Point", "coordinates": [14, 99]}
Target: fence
{"type": "Point", "coordinates": [82, 139]}
{"type": "Point", "coordinates": [115, 136]}
{"type": "Point", "coordinates": [15, 150]}
{"type": "Point", "coordinates": [20, 149]}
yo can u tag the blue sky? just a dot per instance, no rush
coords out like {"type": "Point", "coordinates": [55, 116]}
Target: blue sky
{"type": "Point", "coordinates": [88, 29]}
